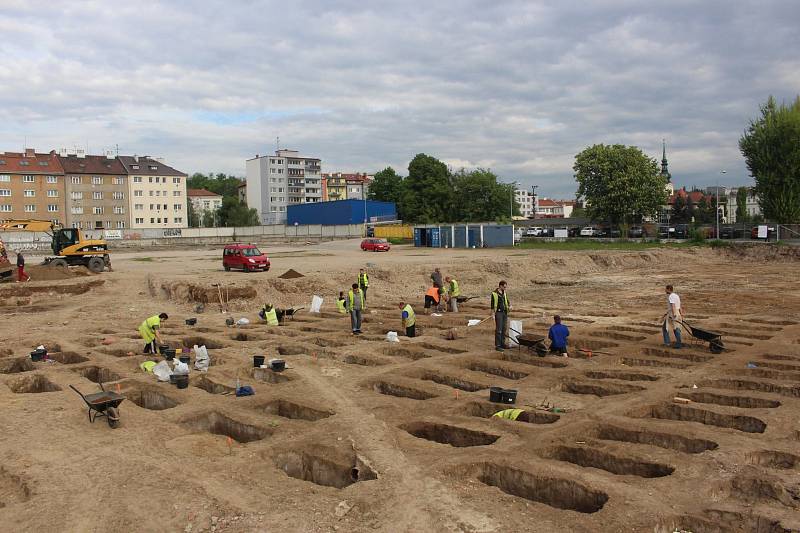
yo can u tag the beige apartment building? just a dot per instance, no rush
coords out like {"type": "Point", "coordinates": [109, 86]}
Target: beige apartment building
{"type": "Point", "coordinates": [31, 187]}
{"type": "Point", "coordinates": [157, 194]}
{"type": "Point", "coordinates": [96, 191]}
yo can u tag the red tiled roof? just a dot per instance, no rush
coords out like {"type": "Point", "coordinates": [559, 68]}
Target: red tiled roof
{"type": "Point", "coordinates": [547, 202]}
{"type": "Point", "coordinates": [200, 192]}
{"type": "Point", "coordinates": [91, 164]}
{"type": "Point", "coordinates": [29, 163]}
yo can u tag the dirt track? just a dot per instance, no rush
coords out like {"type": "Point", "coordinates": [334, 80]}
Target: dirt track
{"type": "Point", "coordinates": [411, 420]}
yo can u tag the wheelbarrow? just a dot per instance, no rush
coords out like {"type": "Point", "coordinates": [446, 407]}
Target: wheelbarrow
{"type": "Point", "coordinates": [464, 299]}
{"type": "Point", "coordinates": [534, 343]}
{"type": "Point", "coordinates": [283, 313]}
{"type": "Point", "coordinates": [103, 403]}
{"type": "Point", "coordinates": [714, 340]}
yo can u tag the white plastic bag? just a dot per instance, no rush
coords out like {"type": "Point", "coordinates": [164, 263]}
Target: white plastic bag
{"type": "Point", "coordinates": [162, 371]}
{"type": "Point", "coordinates": [242, 322]}
{"type": "Point", "coordinates": [316, 304]}
{"type": "Point", "coordinates": [391, 336]}
{"type": "Point", "coordinates": [514, 329]}
{"type": "Point", "coordinates": [180, 368]}
{"type": "Point", "coordinates": [201, 358]}
{"type": "Point", "coordinates": [473, 322]}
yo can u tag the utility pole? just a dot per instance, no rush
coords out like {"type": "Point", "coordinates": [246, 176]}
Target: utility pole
{"type": "Point", "coordinates": [716, 207]}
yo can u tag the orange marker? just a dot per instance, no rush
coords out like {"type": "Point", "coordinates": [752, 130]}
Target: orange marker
{"type": "Point", "coordinates": [456, 394]}
{"type": "Point", "coordinates": [230, 445]}
{"type": "Point", "coordinates": [590, 354]}
{"type": "Point", "coordinates": [118, 389]}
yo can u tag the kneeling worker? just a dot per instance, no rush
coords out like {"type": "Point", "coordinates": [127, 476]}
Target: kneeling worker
{"type": "Point", "coordinates": [558, 336]}
{"type": "Point", "coordinates": [341, 304]}
{"type": "Point", "coordinates": [269, 314]}
{"type": "Point", "coordinates": [432, 297]}
{"type": "Point", "coordinates": [513, 414]}
{"type": "Point", "coordinates": [409, 319]}
{"type": "Point", "coordinates": [149, 332]}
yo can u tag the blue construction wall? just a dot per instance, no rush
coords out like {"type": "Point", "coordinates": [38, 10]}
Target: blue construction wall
{"type": "Point", "coordinates": [464, 236]}
{"type": "Point", "coordinates": [340, 212]}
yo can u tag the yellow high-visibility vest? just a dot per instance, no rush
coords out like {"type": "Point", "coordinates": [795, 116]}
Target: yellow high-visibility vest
{"type": "Point", "coordinates": [508, 414]}
{"type": "Point", "coordinates": [411, 320]}
{"type": "Point", "coordinates": [363, 280]}
{"type": "Point", "coordinates": [340, 306]}
{"type": "Point", "coordinates": [454, 290]}
{"type": "Point", "coordinates": [494, 301]}
{"type": "Point", "coordinates": [352, 299]}
{"type": "Point", "coordinates": [148, 328]}
{"type": "Point", "coordinates": [271, 317]}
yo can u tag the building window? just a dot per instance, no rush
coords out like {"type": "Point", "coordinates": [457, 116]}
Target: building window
{"type": "Point", "coordinates": [140, 221]}
{"type": "Point", "coordinates": [177, 207]}
{"type": "Point", "coordinates": [138, 207]}
{"type": "Point", "coordinates": [176, 180]}
{"type": "Point", "coordinates": [29, 193]}
{"type": "Point", "coordinates": [75, 180]}
{"type": "Point", "coordinates": [137, 179]}
{"type": "Point", "coordinates": [97, 195]}
{"type": "Point", "coordinates": [52, 208]}
{"type": "Point", "coordinates": [118, 195]}
{"type": "Point", "coordinates": [206, 204]}
{"type": "Point", "coordinates": [153, 167]}
{"type": "Point", "coordinates": [29, 208]}
{"type": "Point", "coordinates": [98, 210]}
{"type": "Point", "coordinates": [76, 210]}
{"type": "Point", "coordinates": [159, 220]}
{"type": "Point", "coordinates": [165, 207]}
{"type": "Point", "coordinates": [119, 180]}
{"type": "Point", "coordinates": [164, 193]}
{"type": "Point", "coordinates": [76, 195]}
{"type": "Point", "coordinates": [152, 193]}
{"type": "Point", "coordinates": [52, 179]}
{"type": "Point", "coordinates": [176, 193]}
{"type": "Point", "coordinates": [5, 192]}
{"type": "Point", "coordinates": [97, 180]}
{"type": "Point", "coordinates": [5, 178]}
{"type": "Point", "coordinates": [120, 224]}
{"type": "Point", "coordinates": [28, 179]}
{"type": "Point", "coordinates": [119, 210]}
{"type": "Point", "coordinates": [150, 179]}
{"type": "Point", "coordinates": [280, 171]}
{"type": "Point", "coordinates": [5, 208]}
{"type": "Point", "coordinates": [178, 220]}
{"type": "Point", "coordinates": [135, 167]}
{"type": "Point", "coordinates": [138, 193]}
{"type": "Point", "coordinates": [52, 193]}
{"type": "Point", "coordinates": [151, 207]}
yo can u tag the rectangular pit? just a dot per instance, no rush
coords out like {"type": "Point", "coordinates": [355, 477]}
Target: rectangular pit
{"type": "Point", "coordinates": [682, 413]}
{"type": "Point", "coordinates": [455, 436]}
{"type": "Point", "coordinates": [220, 424]}
{"type": "Point", "coordinates": [16, 365]}
{"type": "Point", "coordinates": [667, 441]}
{"type": "Point", "coordinates": [496, 370]}
{"type": "Point", "coordinates": [486, 410]}
{"type": "Point", "coordinates": [34, 384]}
{"type": "Point", "coordinates": [321, 470]}
{"type": "Point", "coordinates": [401, 391]}
{"type": "Point", "coordinates": [632, 361]}
{"type": "Point", "coordinates": [68, 358]}
{"type": "Point", "coordinates": [291, 410]}
{"type": "Point", "coordinates": [761, 386]}
{"type": "Point", "coordinates": [150, 399]}
{"type": "Point", "coordinates": [773, 459]}
{"type": "Point", "coordinates": [516, 356]}
{"type": "Point", "coordinates": [97, 374]}
{"type": "Point", "coordinates": [625, 376]}
{"type": "Point", "coordinates": [598, 389]}
{"type": "Point", "coordinates": [212, 387]}
{"type": "Point", "coordinates": [744, 402]}
{"type": "Point", "coordinates": [452, 381]}
{"type": "Point", "coordinates": [620, 466]}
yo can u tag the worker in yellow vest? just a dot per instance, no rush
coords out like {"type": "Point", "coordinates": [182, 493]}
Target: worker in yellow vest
{"type": "Point", "coordinates": [453, 292]}
{"type": "Point", "coordinates": [355, 306]}
{"type": "Point", "coordinates": [150, 334]}
{"type": "Point", "coordinates": [341, 304]}
{"type": "Point", "coordinates": [513, 414]}
{"type": "Point", "coordinates": [363, 282]}
{"type": "Point", "coordinates": [269, 314]}
{"type": "Point", "coordinates": [409, 319]}
{"type": "Point", "coordinates": [500, 308]}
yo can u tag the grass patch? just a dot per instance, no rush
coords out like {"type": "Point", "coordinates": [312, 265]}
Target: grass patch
{"type": "Point", "coordinates": [588, 244]}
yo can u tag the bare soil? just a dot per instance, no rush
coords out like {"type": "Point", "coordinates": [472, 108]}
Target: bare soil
{"type": "Point", "coordinates": [359, 434]}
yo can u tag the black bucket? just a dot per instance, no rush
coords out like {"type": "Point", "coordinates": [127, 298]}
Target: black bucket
{"type": "Point", "coordinates": [169, 354]}
{"type": "Point", "coordinates": [172, 378]}
{"type": "Point", "coordinates": [191, 321]}
{"type": "Point", "coordinates": [184, 359]}
{"type": "Point", "coordinates": [163, 348]}
{"type": "Point", "coordinates": [509, 395]}
{"type": "Point", "coordinates": [496, 394]}
{"type": "Point", "coordinates": [182, 381]}
{"type": "Point", "coordinates": [38, 354]}
{"type": "Point", "coordinates": [258, 360]}
{"type": "Point", "coordinates": [277, 365]}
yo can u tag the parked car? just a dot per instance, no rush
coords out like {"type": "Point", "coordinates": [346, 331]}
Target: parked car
{"type": "Point", "coordinates": [681, 231]}
{"type": "Point", "coordinates": [534, 231]}
{"type": "Point", "coordinates": [246, 257]}
{"type": "Point", "coordinates": [375, 245]}
{"type": "Point", "coordinates": [726, 232]}
{"type": "Point", "coordinates": [590, 231]}
{"type": "Point", "coordinates": [636, 232]}
{"type": "Point", "coordinates": [666, 232]}
{"type": "Point", "coordinates": [573, 231]}
{"type": "Point", "coordinates": [547, 232]}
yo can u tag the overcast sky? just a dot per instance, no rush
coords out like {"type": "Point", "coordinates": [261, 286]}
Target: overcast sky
{"type": "Point", "coordinates": [516, 86]}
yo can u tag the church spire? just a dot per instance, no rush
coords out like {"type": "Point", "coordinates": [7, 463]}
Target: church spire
{"type": "Point", "coordinates": [664, 164]}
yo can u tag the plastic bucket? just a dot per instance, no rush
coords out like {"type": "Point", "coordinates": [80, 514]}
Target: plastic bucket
{"type": "Point", "coordinates": [191, 321]}
{"type": "Point", "coordinates": [182, 381]}
{"type": "Point", "coordinates": [496, 394]}
{"type": "Point", "coordinates": [172, 378]}
{"type": "Point", "coordinates": [38, 355]}
{"type": "Point", "coordinates": [277, 365]}
{"type": "Point", "coordinates": [184, 359]}
{"type": "Point", "coordinates": [509, 395]}
{"type": "Point", "coordinates": [169, 354]}
{"type": "Point", "coordinates": [258, 360]}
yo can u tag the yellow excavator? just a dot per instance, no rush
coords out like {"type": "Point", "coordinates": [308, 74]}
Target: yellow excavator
{"type": "Point", "coordinates": [68, 244]}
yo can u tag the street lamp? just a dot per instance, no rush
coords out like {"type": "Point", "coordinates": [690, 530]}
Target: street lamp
{"type": "Point", "coordinates": [716, 206]}
{"type": "Point", "coordinates": [511, 200]}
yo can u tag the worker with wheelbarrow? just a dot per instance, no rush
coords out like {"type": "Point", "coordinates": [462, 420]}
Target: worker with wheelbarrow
{"type": "Point", "coordinates": [671, 321]}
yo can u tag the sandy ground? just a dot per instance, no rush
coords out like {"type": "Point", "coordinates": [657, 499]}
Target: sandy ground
{"type": "Point", "coordinates": [363, 435]}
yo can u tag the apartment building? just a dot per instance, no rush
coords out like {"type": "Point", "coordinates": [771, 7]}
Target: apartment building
{"type": "Point", "coordinates": [96, 191]}
{"type": "Point", "coordinates": [279, 180]}
{"type": "Point", "coordinates": [526, 201]}
{"type": "Point", "coordinates": [342, 186]}
{"type": "Point", "coordinates": [31, 186]}
{"type": "Point", "coordinates": [204, 202]}
{"type": "Point", "coordinates": [157, 193]}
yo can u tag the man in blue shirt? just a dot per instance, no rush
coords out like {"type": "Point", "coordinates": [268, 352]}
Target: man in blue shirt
{"type": "Point", "coordinates": [558, 336]}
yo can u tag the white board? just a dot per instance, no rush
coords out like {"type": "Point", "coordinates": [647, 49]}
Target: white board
{"type": "Point", "coordinates": [762, 232]}
{"type": "Point", "coordinates": [560, 233]}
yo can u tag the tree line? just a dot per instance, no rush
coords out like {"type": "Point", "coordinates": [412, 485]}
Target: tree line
{"type": "Point", "coordinates": [432, 193]}
{"type": "Point", "coordinates": [232, 213]}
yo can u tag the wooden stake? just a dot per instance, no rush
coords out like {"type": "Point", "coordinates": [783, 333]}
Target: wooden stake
{"type": "Point", "coordinates": [230, 446]}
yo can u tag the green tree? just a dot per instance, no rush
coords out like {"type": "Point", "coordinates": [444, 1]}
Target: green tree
{"type": "Point", "coordinates": [234, 214]}
{"type": "Point", "coordinates": [619, 183]}
{"type": "Point", "coordinates": [704, 212]}
{"type": "Point", "coordinates": [208, 219]}
{"type": "Point", "coordinates": [771, 148]}
{"type": "Point", "coordinates": [741, 204]}
{"type": "Point", "coordinates": [680, 211]}
{"type": "Point", "coordinates": [221, 184]}
{"type": "Point", "coordinates": [194, 216]}
{"type": "Point", "coordinates": [387, 186]}
{"type": "Point", "coordinates": [427, 192]}
{"type": "Point", "coordinates": [479, 197]}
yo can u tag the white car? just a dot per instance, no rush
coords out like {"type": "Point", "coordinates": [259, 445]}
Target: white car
{"type": "Point", "coordinates": [590, 231]}
{"type": "Point", "coordinates": [534, 232]}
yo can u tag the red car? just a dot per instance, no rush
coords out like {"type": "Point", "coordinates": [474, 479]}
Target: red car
{"type": "Point", "coordinates": [246, 257]}
{"type": "Point", "coordinates": [375, 245]}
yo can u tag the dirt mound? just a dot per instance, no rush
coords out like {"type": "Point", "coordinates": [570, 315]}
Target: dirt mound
{"type": "Point", "coordinates": [761, 252]}
{"type": "Point", "coordinates": [52, 273]}
{"type": "Point", "coordinates": [291, 274]}
{"type": "Point", "coordinates": [194, 293]}
{"type": "Point", "coordinates": [25, 289]}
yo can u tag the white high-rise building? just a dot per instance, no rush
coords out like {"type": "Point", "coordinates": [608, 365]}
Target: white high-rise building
{"type": "Point", "coordinates": [527, 202]}
{"type": "Point", "coordinates": [277, 181]}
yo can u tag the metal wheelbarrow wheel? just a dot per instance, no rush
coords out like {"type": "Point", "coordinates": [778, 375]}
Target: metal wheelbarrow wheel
{"type": "Point", "coordinates": [112, 415]}
{"type": "Point", "coordinates": [716, 346]}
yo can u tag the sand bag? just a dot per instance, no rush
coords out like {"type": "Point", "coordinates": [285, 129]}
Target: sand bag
{"type": "Point", "coordinates": [391, 336]}
{"type": "Point", "coordinates": [179, 368]}
{"type": "Point", "coordinates": [316, 304]}
{"type": "Point", "coordinates": [201, 358]}
{"type": "Point", "coordinates": [514, 329]}
{"type": "Point", "coordinates": [162, 371]}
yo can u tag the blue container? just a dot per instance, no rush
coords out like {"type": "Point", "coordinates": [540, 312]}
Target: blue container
{"type": "Point", "coordinates": [340, 212]}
